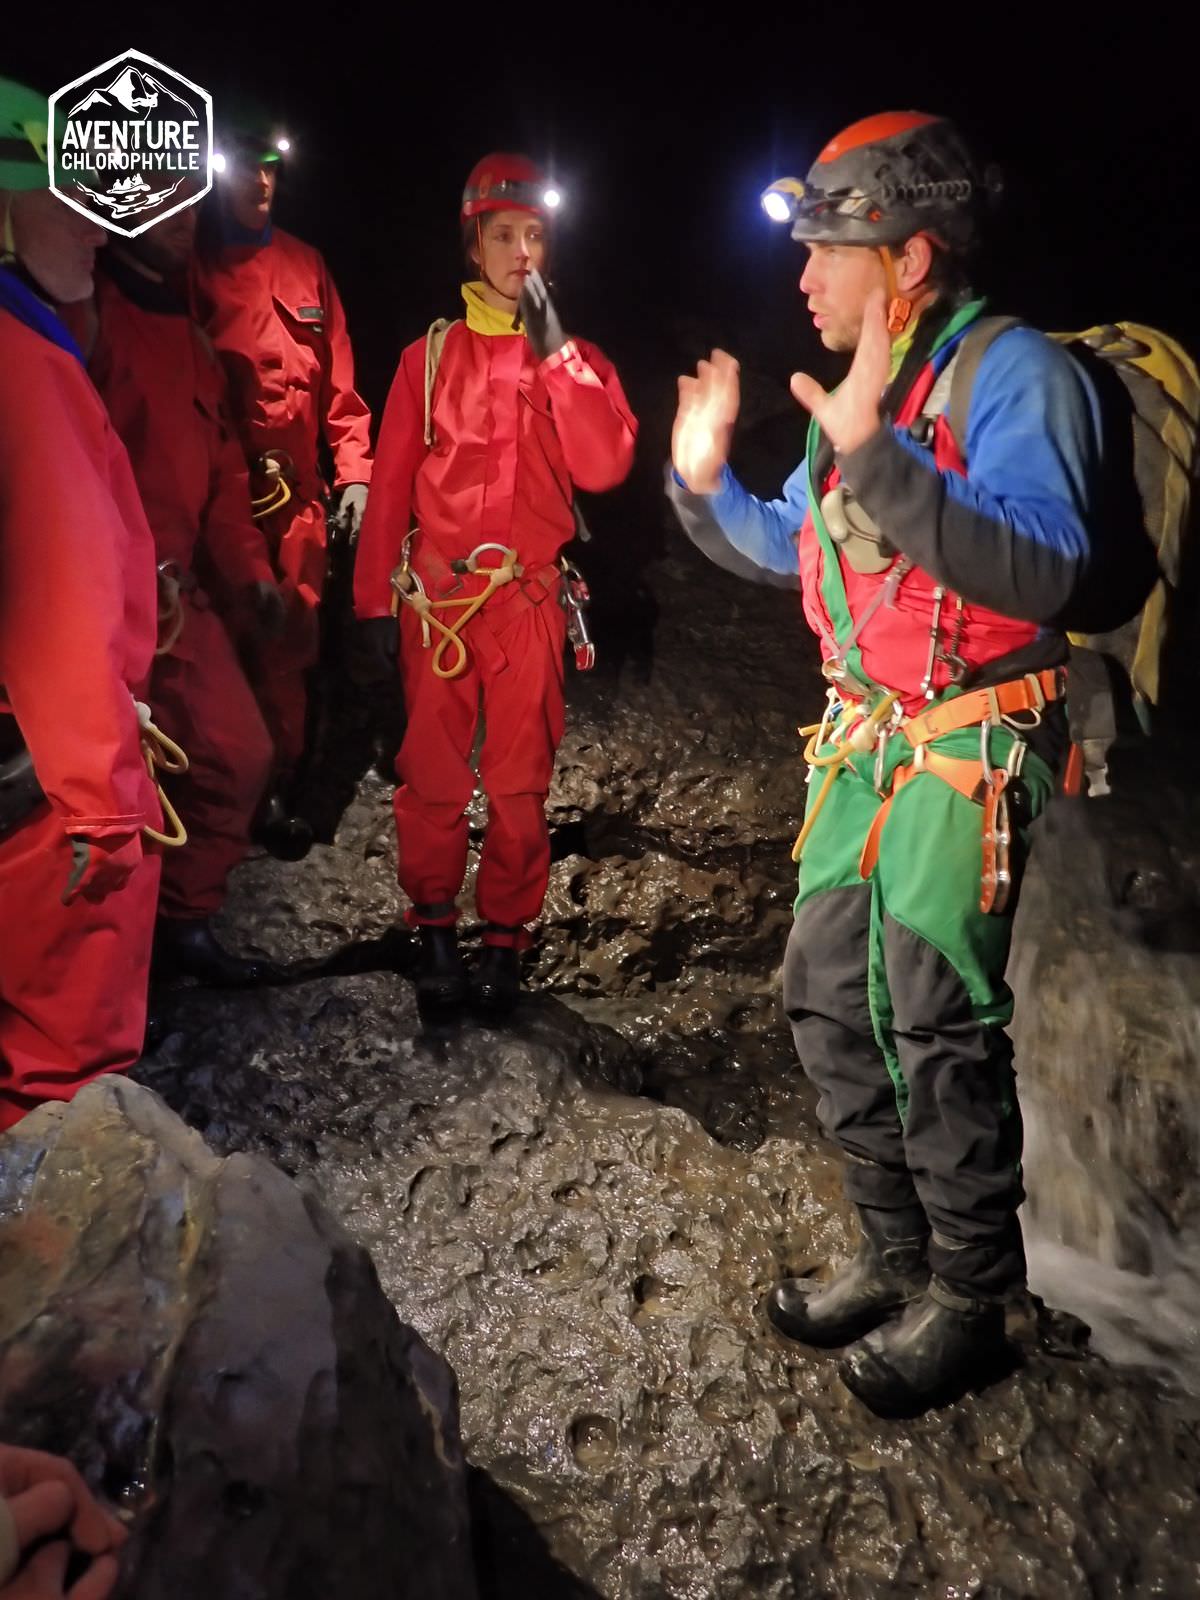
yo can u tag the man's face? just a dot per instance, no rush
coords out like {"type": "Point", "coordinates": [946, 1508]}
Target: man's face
{"type": "Point", "coordinates": [56, 245]}
{"type": "Point", "coordinates": [250, 191]}
{"type": "Point", "coordinates": [166, 248]}
{"type": "Point", "coordinates": [837, 282]}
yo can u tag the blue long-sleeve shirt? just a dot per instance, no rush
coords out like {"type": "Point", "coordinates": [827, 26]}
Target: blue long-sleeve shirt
{"type": "Point", "coordinates": [1015, 534]}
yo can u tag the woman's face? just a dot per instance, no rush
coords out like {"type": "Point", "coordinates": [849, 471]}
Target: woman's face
{"type": "Point", "coordinates": [514, 245]}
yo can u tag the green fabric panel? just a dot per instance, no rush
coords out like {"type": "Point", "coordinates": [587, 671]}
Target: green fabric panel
{"type": "Point", "coordinates": [928, 873]}
{"type": "Point", "coordinates": [833, 588]}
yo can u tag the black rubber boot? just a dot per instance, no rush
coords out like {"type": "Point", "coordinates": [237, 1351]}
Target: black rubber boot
{"type": "Point", "coordinates": [944, 1344]}
{"type": "Point", "coordinates": [186, 947]}
{"type": "Point", "coordinates": [441, 977]}
{"type": "Point", "coordinates": [283, 835]}
{"type": "Point", "coordinates": [888, 1272]}
{"type": "Point", "coordinates": [496, 980]}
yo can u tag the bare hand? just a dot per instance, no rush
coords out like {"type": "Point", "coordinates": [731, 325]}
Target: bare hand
{"type": "Point", "coordinates": [708, 408]}
{"type": "Point", "coordinates": [44, 1577]}
{"type": "Point", "coordinates": [850, 415]}
{"type": "Point", "coordinates": [45, 1495]}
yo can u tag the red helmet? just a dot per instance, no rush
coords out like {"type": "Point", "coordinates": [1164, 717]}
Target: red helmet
{"type": "Point", "coordinates": [507, 183]}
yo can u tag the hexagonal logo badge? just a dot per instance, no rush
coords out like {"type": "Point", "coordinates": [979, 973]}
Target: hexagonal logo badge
{"type": "Point", "coordinates": [130, 143]}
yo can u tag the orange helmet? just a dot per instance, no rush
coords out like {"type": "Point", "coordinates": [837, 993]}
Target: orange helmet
{"type": "Point", "coordinates": [503, 182]}
{"type": "Point", "coordinates": [885, 178]}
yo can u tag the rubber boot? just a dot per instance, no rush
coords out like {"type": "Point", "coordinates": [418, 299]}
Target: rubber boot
{"type": "Point", "coordinates": [283, 835]}
{"type": "Point", "coordinates": [441, 977]}
{"type": "Point", "coordinates": [946, 1342]}
{"type": "Point", "coordinates": [186, 947]}
{"type": "Point", "coordinates": [889, 1270]}
{"type": "Point", "coordinates": [496, 980]}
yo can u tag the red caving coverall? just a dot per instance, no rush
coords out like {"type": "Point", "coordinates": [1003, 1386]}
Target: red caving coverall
{"type": "Point", "coordinates": [165, 393]}
{"type": "Point", "coordinates": [273, 313]}
{"type": "Point", "coordinates": [512, 437]}
{"type": "Point", "coordinates": [77, 633]}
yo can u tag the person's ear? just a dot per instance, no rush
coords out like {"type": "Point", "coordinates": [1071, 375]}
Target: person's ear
{"type": "Point", "coordinates": [914, 264]}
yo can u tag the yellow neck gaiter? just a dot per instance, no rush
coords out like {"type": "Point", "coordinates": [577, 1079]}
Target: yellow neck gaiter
{"type": "Point", "coordinates": [484, 318]}
{"type": "Point", "coordinates": [902, 345]}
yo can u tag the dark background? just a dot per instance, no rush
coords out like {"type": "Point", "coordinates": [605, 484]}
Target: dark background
{"type": "Point", "coordinates": [663, 123]}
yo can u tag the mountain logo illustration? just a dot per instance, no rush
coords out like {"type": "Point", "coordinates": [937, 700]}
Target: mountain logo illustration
{"type": "Point", "coordinates": [130, 143]}
{"type": "Point", "coordinates": [134, 91]}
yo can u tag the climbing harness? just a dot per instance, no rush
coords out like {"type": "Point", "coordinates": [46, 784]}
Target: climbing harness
{"type": "Point", "coordinates": [408, 589]}
{"type": "Point", "coordinates": [856, 727]}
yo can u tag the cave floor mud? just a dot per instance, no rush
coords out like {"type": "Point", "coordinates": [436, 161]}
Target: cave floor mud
{"type": "Point", "coordinates": [583, 1209]}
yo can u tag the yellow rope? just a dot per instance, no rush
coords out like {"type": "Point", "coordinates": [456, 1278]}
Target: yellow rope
{"type": "Point", "coordinates": [275, 466]}
{"type": "Point", "coordinates": [170, 613]}
{"type": "Point", "coordinates": [862, 738]}
{"type": "Point", "coordinates": [162, 754]}
{"type": "Point", "coordinates": [408, 589]}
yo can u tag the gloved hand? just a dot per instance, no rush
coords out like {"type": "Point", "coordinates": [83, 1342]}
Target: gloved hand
{"type": "Point", "coordinates": [270, 608]}
{"type": "Point", "coordinates": [373, 652]}
{"type": "Point", "coordinates": [351, 506]}
{"type": "Point", "coordinates": [542, 327]}
{"type": "Point", "coordinates": [41, 1495]}
{"type": "Point", "coordinates": [101, 865]}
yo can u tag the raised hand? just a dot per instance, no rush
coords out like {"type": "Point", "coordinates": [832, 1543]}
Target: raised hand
{"type": "Point", "coordinates": [850, 415]}
{"type": "Point", "coordinates": [542, 326]}
{"type": "Point", "coordinates": [708, 408]}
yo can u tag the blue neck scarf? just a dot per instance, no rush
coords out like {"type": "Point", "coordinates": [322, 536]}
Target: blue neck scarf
{"type": "Point", "coordinates": [21, 301]}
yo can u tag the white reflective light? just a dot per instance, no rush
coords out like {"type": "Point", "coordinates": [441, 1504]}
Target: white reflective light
{"type": "Point", "coordinates": [283, 145]}
{"type": "Point", "coordinates": [551, 199]}
{"type": "Point", "coordinates": [777, 206]}
{"type": "Point", "coordinates": [218, 161]}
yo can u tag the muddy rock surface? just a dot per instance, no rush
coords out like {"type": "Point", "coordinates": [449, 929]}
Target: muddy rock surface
{"type": "Point", "coordinates": [581, 1211]}
{"type": "Point", "coordinates": [215, 1353]}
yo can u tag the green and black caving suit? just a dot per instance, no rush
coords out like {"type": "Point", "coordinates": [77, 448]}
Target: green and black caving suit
{"type": "Point", "coordinates": [894, 973]}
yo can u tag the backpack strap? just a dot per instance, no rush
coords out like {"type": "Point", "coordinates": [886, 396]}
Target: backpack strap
{"type": "Point", "coordinates": [972, 348]}
{"type": "Point", "coordinates": [435, 341]}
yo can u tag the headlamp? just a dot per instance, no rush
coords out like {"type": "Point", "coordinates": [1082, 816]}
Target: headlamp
{"type": "Point", "coordinates": [283, 145]}
{"type": "Point", "coordinates": [552, 199]}
{"type": "Point", "coordinates": [781, 199]}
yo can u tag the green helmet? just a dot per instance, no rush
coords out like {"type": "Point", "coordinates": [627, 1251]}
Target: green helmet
{"type": "Point", "coordinates": [24, 132]}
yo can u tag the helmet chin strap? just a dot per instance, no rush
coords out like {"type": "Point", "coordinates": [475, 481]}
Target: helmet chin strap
{"type": "Point", "coordinates": [900, 309]}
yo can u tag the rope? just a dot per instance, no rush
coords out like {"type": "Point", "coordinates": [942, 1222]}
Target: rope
{"type": "Point", "coordinates": [277, 496]}
{"type": "Point", "coordinates": [161, 754]}
{"type": "Point", "coordinates": [407, 587]}
{"type": "Point", "coordinates": [170, 612]}
{"type": "Point", "coordinates": [863, 738]}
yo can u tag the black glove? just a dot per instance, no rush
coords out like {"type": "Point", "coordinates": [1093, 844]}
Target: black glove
{"type": "Point", "coordinates": [270, 608]}
{"type": "Point", "coordinates": [373, 653]}
{"type": "Point", "coordinates": [542, 327]}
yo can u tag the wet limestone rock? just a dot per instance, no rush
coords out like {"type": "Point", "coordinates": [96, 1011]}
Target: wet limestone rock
{"type": "Point", "coordinates": [592, 1266]}
{"type": "Point", "coordinates": [215, 1353]}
